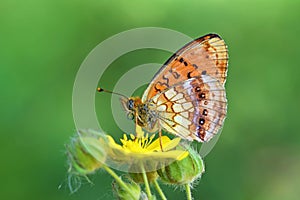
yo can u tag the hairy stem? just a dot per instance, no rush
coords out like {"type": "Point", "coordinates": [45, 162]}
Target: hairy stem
{"type": "Point", "coordinates": [147, 187]}
{"type": "Point", "coordinates": [158, 189]}
{"type": "Point", "coordinates": [188, 192]}
{"type": "Point", "coordinates": [118, 180]}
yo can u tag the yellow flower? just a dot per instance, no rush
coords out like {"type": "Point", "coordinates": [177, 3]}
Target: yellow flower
{"type": "Point", "coordinates": [135, 152]}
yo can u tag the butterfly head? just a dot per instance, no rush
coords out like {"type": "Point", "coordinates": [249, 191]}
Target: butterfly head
{"type": "Point", "coordinates": [134, 107]}
{"type": "Point", "coordinates": [130, 105]}
{"type": "Point", "coordinates": [139, 111]}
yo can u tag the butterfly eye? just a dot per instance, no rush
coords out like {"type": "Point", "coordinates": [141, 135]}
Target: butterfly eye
{"type": "Point", "coordinates": [130, 116]}
{"type": "Point", "coordinates": [130, 104]}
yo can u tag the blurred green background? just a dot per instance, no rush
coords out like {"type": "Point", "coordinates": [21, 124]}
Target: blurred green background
{"type": "Point", "coordinates": [43, 43]}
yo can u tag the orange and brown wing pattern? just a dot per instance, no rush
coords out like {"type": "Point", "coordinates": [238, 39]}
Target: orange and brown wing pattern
{"type": "Point", "coordinates": [194, 109]}
{"type": "Point", "coordinates": [206, 55]}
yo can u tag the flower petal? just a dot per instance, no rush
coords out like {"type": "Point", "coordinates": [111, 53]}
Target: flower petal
{"type": "Point", "coordinates": [155, 146]}
{"type": "Point", "coordinates": [171, 144]}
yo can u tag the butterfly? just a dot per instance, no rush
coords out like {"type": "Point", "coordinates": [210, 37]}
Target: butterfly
{"type": "Point", "coordinates": [187, 96]}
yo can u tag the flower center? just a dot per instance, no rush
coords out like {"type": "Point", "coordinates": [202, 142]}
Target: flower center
{"type": "Point", "coordinates": [137, 145]}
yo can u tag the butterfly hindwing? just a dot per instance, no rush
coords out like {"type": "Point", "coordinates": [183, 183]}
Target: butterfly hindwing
{"type": "Point", "coordinates": [193, 109]}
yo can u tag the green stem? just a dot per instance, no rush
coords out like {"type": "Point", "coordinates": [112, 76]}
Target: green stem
{"type": "Point", "coordinates": [118, 180]}
{"type": "Point", "coordinates": [188, 192]}
{"type": "Point", "coordinates": [147, 187]}
{"type": "Point", "coordinates": [160, 192]}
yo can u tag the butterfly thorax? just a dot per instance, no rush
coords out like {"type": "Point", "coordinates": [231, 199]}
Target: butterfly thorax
{"type": "Point", "coordinates": [143, 113]}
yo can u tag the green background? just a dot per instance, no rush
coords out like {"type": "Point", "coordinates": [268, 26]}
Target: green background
{"type": "Point", "coordinates": [43, 43]}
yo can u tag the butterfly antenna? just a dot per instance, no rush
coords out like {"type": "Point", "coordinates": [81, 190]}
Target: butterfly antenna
{"type": "Point", "coordinates": [99, 89]}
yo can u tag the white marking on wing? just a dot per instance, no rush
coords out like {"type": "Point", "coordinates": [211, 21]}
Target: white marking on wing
{"type": "Point", "coordinates": [170, 93]}
{"type": "Point", "coordinates": [177, 97]}
{"type": "Point", "coordinates": [183, 121]}
{"type": "Point", "coordinates": [161, 108]}
{"type": "Point", "coordinates": [184, 132]}
{"type": "Point", "coordinates": [185, 114]}
{"type": "Point", "coordinates": [187, 105]}
{"type": "Point", "coordinates": [177, 107]}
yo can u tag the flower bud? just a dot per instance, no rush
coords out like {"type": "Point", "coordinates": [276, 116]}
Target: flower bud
{"type": "Point", "coordinates": [183, 171]}
{"type": "Point", "coordinates": [122, 193]}
{"type": "Point", "coordinates": [138, 177]}
{"type": "Point", "coordinates": [86, 153]}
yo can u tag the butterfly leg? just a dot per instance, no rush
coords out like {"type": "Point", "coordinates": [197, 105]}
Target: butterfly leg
{"type": "Point", "coordinates": [160, 140]}
{"type": "Point", "coordinates": [136, 127]}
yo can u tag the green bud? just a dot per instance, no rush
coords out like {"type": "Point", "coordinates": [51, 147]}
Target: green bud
{"type": "Point", "coordinates": [122, 193]}
{"type": "Point", "coordinates": [138, 177]}
{"type": "Point", "coordinates": [183, 171]}
{"type": "Point", "coordinates": [86, 153]}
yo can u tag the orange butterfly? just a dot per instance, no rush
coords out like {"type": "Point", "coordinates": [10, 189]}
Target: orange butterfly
{"type": "Point", "coordinates": [187, 96]}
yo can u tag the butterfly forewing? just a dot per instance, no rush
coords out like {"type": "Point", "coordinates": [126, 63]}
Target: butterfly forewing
{"type": "Point", "coordinates": [206, 55]}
